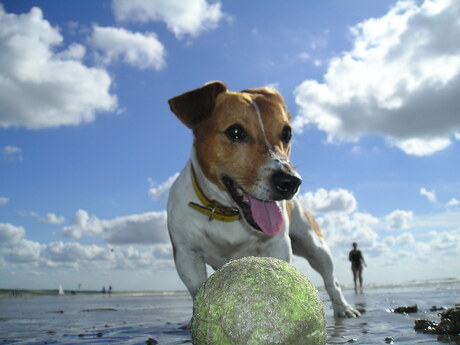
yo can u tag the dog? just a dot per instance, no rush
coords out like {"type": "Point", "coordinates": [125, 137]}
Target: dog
{"type": "Point", "coordinates": [236, 196]}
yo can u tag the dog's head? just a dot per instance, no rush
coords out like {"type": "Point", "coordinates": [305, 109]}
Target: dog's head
{"type": "Point", "coordinates": [243, 143]}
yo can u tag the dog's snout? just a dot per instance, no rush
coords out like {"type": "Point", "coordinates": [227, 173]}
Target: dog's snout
{"type": "Point", "coordinates": [286, 184]}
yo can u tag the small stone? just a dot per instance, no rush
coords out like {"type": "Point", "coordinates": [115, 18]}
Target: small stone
{"type": "Point", "coordinates": [423, 324]}
{"type": "Point", "coordinates": [449, 324]}
{"type": "Point", "coordinates": [407, 309]}
{"type": "Point", "coordinates": [450, 321]}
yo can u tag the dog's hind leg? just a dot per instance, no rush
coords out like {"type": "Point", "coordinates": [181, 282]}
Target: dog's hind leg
{"type": "Point", "coordinates": [308, 242]}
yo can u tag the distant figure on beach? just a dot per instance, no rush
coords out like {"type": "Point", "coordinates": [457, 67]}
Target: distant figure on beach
{"type": "Point", "coordinates": [103, 289]}
{"type": "Point", "coordinates": [357, 262]}
{"type": "Point", "coordinates": [110, 289]}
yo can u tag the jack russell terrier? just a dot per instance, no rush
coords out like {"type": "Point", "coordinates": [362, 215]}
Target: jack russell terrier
{"type": "Point", "coordinates": [236, 195]}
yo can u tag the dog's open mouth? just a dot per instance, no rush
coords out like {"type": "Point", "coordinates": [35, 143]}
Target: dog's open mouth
{"type": "Point", "coordinates": [262, 215]}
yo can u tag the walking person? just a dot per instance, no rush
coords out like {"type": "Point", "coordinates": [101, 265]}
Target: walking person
{"type": "Point", "coordinates": [357, 262]}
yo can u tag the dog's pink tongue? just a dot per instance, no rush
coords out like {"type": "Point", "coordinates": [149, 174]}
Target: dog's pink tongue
{"type": "Point", "coordinates": [267, 214]}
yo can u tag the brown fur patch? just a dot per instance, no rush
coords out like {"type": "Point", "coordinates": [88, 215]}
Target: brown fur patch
{"type": "Point", "coordinates": [313, 223]}
{"type": "Point", "coordinates": [289, 207]}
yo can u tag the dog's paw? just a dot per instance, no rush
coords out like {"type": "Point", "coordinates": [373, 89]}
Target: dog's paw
{"type": "Point", "coordinates": [345, 311]}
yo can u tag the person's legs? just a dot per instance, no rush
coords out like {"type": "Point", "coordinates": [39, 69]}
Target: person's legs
{"type": "Point", "coordinates": [355, 277]}
{"type": "Point", "coordinates": [360, 273]}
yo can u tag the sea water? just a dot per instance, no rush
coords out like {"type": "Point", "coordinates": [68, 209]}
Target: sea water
{"type": "Point", "coordinates": [135, 318]}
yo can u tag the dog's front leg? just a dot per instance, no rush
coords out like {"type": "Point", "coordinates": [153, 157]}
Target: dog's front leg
{"type": "Point", "coordinates": [191, 269]}
{"type": "Point", "coordinates": [321, 260]}
{"type": "Point", "coordinates": [307, 242]}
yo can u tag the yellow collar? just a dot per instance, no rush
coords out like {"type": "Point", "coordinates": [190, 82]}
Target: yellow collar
{"type": "Point", "coordinates": [212, 208]}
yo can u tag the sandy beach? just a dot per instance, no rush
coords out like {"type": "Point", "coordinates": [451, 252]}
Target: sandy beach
{"type": "Point", "coordinates": [134, 318]}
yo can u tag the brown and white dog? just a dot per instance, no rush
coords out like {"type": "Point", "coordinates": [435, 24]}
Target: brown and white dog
{"type": "Point", "coordinates": [236, 195]}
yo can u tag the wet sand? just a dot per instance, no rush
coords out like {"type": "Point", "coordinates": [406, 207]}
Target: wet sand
{"type": "Point", "coordinates": [136, 318]}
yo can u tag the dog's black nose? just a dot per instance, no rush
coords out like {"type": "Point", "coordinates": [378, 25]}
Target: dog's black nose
{"type": "Point", "coordinates": [286, 184]}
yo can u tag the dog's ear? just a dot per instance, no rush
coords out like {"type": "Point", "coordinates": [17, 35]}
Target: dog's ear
{"type": "Point", "coordinates": [194, 106]}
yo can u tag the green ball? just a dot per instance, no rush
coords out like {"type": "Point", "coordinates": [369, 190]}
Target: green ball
{"type": "Point", "coordinates": [258, 301]}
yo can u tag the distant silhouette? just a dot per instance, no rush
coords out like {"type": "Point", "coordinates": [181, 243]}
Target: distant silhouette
{"type": "Point", "coordinates": [103, 289]}
{"type": "Point", "coordinates": [110, 289]}
{"type": "Point", "coordinates": [357, 262]}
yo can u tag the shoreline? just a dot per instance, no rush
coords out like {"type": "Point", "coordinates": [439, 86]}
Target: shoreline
{"type": "Point", "coordinates": [15, 292]}
{"type": "Point", "coordinates": [29, 293]}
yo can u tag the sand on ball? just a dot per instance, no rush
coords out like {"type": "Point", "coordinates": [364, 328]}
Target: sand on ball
{"type": "Point", "coordinates": [260, 301]}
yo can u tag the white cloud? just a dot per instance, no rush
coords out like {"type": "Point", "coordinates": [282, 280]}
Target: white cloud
{"type": "Point", "coordinates": [440, 221]}
{"type": "Point", "coordinates": [182, 17]}
{"type": "Point", "coordinates": [157, 191]}
{"type": "Point", "coordinates": [366, 230]}
{"type": "Point", "coordinates": [160, 257]}
{"type": "Point", "coordinates": [405, 239]}
{"type": "Point", "coordinates": [430, 195]}
{"type": "Point", "coordinates": [399, 220]}
{"type": "Point", "coordinates": [446, 242]}
{"type": "Point", "coordinates": [74, 52]}
{"type": "Point", "coordinates": [304, 56]}
{"type": "Point", "coordinates": [383, 251]}
{"type": "Point", "coordinates": [421, 147]}
{"type": "Point", "coordinates": [4, 201]}
{"type": "Point", "coordinates": [51, 218]}
{"type": "Point", "coordinates": [392, 258]}
{"type": "Point", "coordinates": [400, 80]}
{"type": "Point", "coordinates": [18, 252]}
{"type": "Point", "coordinates": [10, 233]}
{"type": "Point", "coordinates": [43, 88]}
{"type": "Point", "coordinates": [11, 150]}
{"type": "Point", "coordinates": [358, 227]}
{"type": "Point", "coordinates": [336, 201]}
{"type": "Point", "coordinates": [23, 252]}
{"type": "Point", "coordinates": [11, 153]}
{"type": "Point", "coordinates": [73, 252]}
{"type": "Point", "coordinates": [319, 41]}
{"type": "Point", "coordinates": [142, 51]}
{"type": "Point", "coordinates": [452, 203]}
{"type": "Point", "coordinates": [147, 228]}
{"type": "Point", "coordinates": [26, 253]}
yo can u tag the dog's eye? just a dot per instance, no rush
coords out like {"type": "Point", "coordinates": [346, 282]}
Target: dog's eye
{"type": "Point", "coordinates": [236, 133]}
{"type": "Point", "coordinates": [286, 135]}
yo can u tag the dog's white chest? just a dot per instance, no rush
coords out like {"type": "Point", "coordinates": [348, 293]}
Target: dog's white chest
{"type": "Point", "coordinates": [224, 242]}
{"type": "Point", "coordinates": [216, 241]}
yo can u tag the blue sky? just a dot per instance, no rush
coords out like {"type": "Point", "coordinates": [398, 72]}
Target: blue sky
{"type": "Point", "coordinates": [89, 148]}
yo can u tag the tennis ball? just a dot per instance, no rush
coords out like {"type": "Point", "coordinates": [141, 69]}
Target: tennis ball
{"type": "Point", "coordinates": [258, 301]}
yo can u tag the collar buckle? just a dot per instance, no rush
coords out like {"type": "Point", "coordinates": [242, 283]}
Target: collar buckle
{"type": "Point", "coordinates": [212, 208]}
